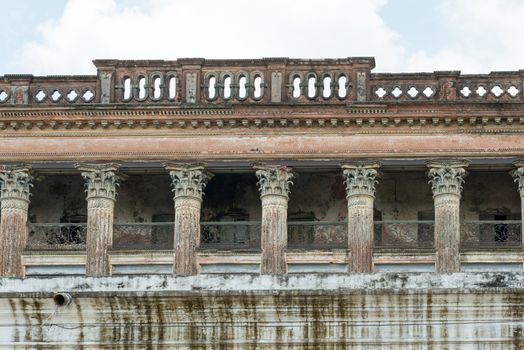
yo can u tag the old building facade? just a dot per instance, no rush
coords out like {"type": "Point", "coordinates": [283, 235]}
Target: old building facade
{"type": "Point", "coordinates": [261, 204]}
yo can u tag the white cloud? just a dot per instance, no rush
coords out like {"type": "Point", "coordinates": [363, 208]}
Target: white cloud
{"type": "Point", "coordinates": [212, 29]}
{"type": "Point", "coordinates": [482, 36]}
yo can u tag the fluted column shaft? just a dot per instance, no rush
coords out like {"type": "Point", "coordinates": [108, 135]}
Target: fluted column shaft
{"type": "Point", "coordinates": [188, 184]}
{"type": "Point", "coordinates": [360, 179]}
{"type": "Point", "coordinates": [15, 183]}
{"type": "Point", "coordinates": [101, 183]}
{"type": "Point", "coordinates": [518, 174]}
{"type": "Point", "coordinates": [446, 179]}
{"type": "Point", "coordinates": [274, 188]}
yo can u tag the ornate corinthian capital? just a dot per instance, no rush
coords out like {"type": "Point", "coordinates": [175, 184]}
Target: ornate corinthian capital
{"type": "Point", "coordinates": [189, 180]}
{"type": "Point", "coordinates": [274, 179]}
{"type": "Point", "coordinates": [360, 178]}
{"type": "Point", "coordinates": [15, 182]}
{"type": "Point", "coordinates": [101, 179]}
{"type": "Point", "coordinates": [518, 174]}
{"type": "Point", "coordinates": [447, 176]}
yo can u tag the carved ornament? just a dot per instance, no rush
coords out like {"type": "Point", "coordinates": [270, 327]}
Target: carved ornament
{"type": "Point", "coordinates": [15, 182]}
{"type": "Point", "coordinates": [274, 180]}
{"type": "Point", "coordinates": [447, 176]}
{"type": "Point", "coordinates": [518, 174]}
{"type": "Point", "coordinates": [360, 178]}
{"type": "Point", "coordinates": [188, 180]}
{"type": "Point", "coordinates": [101, 179]}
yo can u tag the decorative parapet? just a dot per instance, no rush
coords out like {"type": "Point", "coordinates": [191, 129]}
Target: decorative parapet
{"type": "Point", "coordinates": [447, 86]}
{"type": "Point", "coordinates": [199, 81]}
{"type": "Point", "coordinates": [447, 176]}
{"type": "Point", "coordinates": [518, 174]}
{"type": "Point", "coordinates": [25, 89]}
{"type": "Point", "coordinates": [360, 178]}
{"type": "Point", "coordinates": [101, 179]}
{"type": "Point", "coordinates": [274, 180]}
{"type": "Point", "coordinates": [189, 180]}
{"type": "Point", "coordinates": [15, 182]}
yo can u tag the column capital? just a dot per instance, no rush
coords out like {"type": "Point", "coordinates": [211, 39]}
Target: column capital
{"type": "Point", "coordinates": [188, 180]}
{"type": "Point", "coordinates": [360, 177]}
{"type": "Point", "coordinates": [518, 174]}
{"type": "Point", "coordinates": [273, 179]}
{"type": "Point", "coordinates": [447, 176]}
{"type": "Point", "coordinates": [15, 182]}
{"type": "Point", "coordinates": [101, 179]}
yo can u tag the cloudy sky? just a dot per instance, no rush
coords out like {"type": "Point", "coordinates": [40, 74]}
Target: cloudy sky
{"type": "Point", "coordinates": [63, 36]}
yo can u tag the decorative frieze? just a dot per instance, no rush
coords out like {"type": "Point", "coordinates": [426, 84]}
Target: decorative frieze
{"type": "Point", "coordinates": [274, 180]}
{"type": "Point", "coordinates": [101, 180]}
{"type": "Point", "coordinates": [360, 178]}
{"type": "Point", "coordinates": [447, 176]}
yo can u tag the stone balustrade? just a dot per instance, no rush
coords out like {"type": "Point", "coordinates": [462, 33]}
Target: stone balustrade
{"type": "Point", "coordinates": [198, 81]}
{"type": "Point", "coordinates": [26, 89]}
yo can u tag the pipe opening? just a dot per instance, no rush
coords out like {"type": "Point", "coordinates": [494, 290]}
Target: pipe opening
{"type": "Point", "coordinates": [62, 299]}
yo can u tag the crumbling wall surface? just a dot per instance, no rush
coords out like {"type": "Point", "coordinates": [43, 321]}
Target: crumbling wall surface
{"type": "Point", "coordinates": [402, 195]}
{"type": "Point", "coordinates": [58, 198]}
{"type": "Point", "coordinates": [141, 197]}
{"type": "Point", "coordinates": [365, 311]}
{"type": "Point", "coordinates": [489, 192]}
{"type": "Point", "coordinates": [319, 195]}
{"type": "Point", "coordinates": [232, 197]}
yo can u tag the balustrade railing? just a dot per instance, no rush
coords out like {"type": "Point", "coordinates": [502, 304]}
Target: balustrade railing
{"type": "Point", "coordinates": [404, 87]}
{"type": "Point", "coordinates": [232, 235]}
{"type": "Point", "coordinates": [317, 235]}
{"type": "Point", "coordinates": [491, 234]}
{"type": "Point", "coordinates": [446, 86]}
{"type": "Point", "coordinates": [404, 234]}
{"type": "Point", "coordinates": [49, 90]}
{"type": "Point", "coordinates": [146, 236]}
{"type": "Point", "coordinates": [314, 235]}
{"type": "Point", "coordinates": [269, 80]}
{"type": "Point", "coordinates": [56, 236]}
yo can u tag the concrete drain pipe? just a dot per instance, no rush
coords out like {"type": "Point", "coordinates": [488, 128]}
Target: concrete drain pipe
{"type": "Point", "coordinates": [62, 299]}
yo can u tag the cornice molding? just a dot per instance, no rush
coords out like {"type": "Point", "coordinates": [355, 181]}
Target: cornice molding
{"type": "Point", "coordinates": [273, 122]}
{"type": "Point", "coordinates": [301, 131]}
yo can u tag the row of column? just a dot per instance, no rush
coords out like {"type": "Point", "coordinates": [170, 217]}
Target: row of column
{"type": "Point", "coordinates": [446, 179]}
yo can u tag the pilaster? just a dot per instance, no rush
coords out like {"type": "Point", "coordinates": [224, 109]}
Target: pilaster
{"type": "Point", "coordinates": [274, 182]}
{"type": "Point", "coordinates": [15, 185]}
{"type": "Point", "coordinates": [446, 179]}
{"type": "Point", "coordinates": [360, 179]}
{"type": "Point", "coordinates": [188, 182]}
{"type": "Point", "coordinates": [101, 182]}
{"type": "Point", "coordinates": [518, 174]}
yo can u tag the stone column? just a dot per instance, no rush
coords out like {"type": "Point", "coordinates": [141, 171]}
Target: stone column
{"type": "Point", "coordinates": [360, 179]}
{"type": "Point", "coordinates": [101, 182]}
{"type": "Point", "coordinates": [15, 184]}
{"type": "Point", "coordinates": [188, 183]}
{"type": "Point", "coordinates": [273, 182]}
{"type": "Point", "coordinates": [518, 174]}
{"type": "Point", "coordinates": [446, 179]}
